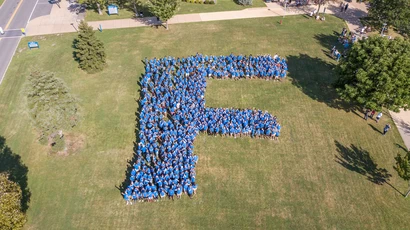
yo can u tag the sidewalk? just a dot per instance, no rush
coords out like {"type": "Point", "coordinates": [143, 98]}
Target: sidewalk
{"type": "Point", "coordinates": [402, 121]}
{"type": "Point", "coordinates": [62, 20]}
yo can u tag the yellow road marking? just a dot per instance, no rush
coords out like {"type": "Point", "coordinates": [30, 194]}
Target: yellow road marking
{"type": "Point", "coordinates": [14, 14]}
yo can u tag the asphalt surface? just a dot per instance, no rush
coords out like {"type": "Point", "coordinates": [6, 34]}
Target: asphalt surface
{"type": "Point", "coordinates": [29, 9]}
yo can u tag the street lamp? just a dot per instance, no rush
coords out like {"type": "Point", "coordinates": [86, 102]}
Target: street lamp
{"type": "Point", "coordinates": [384, 27]}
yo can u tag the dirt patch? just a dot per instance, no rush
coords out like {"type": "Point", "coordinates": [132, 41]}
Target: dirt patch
{"type": "Point", "coordinates": [73, 143]}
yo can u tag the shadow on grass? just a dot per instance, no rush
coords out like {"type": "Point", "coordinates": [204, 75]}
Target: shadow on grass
{"type": "Point", "coordinates": [11, 163]}
{"type": "Point", "coordinates": [140, 8]}
{"type": "Point", "coordinates": [359, 160]}
{"type": "Point", "coordinates": [328, 41]}
{"type": "Point", "coordinates": [130, 163]}
{"type": "Point", "coordinates": [375, 129]}
{"type": "Point", "coordinates": [74, 47]}
{"type": "Point", "coordinates": [401, 147]}
{"type": "Point", "coordinates": [359, 115]}
{"type": "Point", "coordinates": [315, 77]}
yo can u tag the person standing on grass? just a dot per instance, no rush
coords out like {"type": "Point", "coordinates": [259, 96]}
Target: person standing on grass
{"type": "Point", "coordinates": [378, 117]}
{"type": "Point", "coordinates": [366, 114]}
{"type": "Point", "coordinates": [333, 51]}
{"type": "Point", "coordinates": [372, 113]}
{"type": "Point", "coordinates": [127, 198]}
{"type": "Point", "coordinates": [386, 128]}
{"type": "Point", "coordinates": [338, 55]}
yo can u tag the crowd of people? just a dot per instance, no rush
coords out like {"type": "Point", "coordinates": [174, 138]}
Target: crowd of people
{"type": "Point", "coordinates": [173, 112]}
{"type": "Point", "coordinates": [347, 40]}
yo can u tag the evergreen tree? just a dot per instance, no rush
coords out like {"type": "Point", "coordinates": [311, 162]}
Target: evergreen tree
{"type": "Point", "coordinates": [403, 168]}
{"type": "Point", "coordinates": [51, 106]}
{"type": "Point", "coordinates": [164, 9]}
{"type": "Point", "coordinates": [376, 74]}
{"type": "Point", "coordinates": [392, 12]}
{"type": "Point", "coordinates": [89, 49]}
{"type": "Point", "coordinates": [11, 214]}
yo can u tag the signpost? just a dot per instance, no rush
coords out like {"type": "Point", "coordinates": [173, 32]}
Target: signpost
{"type": "Point", "coordinates": [33, 44]}
{"type": "Point", "coordinates": [112, 9]}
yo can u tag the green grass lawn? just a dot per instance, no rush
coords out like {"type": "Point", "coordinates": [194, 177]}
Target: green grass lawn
{"type": "Point", "coordinates": [317, 176]}
{"type": "Point", "coordinates": [185, 8]}
{"type": "Point", "coordinates": [1, 2]}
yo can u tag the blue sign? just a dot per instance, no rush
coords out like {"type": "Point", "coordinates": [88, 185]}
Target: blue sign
{"type": "Point", "coordinates": [33, 45]}
{"type": "Point", "coordinates": [112, 9]}
{"type": "Point", "coordinates": [173, 112]}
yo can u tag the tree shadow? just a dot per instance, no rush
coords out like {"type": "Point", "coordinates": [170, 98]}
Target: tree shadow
{"type": "Point", "coordinates": [11, 163]}
{"type": "Point", "coordinates": [140, 7]}
{"type": "Point", "coordinates": [404, 126]}
{"type": "Point", "coordinates": [315, 77]}
{"type": "Point", "coordinates": [351, 16]}
{"type": "Point", "coordinates": [149, 21]}
{"type": "Point", "coordinates": [375, 129]}
{"type": "Point", "coordinates": [329, 40]}
{"type": "Point", "coordinates": [359, 160]}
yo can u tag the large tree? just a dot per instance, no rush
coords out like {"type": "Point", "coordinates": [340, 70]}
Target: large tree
{"type": "Point", "coordinates": [11, 214]}
{"type": "Point", "coordinates": [50, 103]}
{"type": "Point", "coordinates": [391, 12]}
{"type": "Point", "coordinates": [95, 3]}
{"type": "Point", "coordinates": [376, 74]}
{"type": "Point", "coordinates": [403, 168]}
{"type": "Point", "coordinates": [89, 51]}
{"type": "Point", "coordinates": [164, 9]}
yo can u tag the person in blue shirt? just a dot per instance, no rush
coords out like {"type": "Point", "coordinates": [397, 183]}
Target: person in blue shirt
{"type": "Point", "coordinates": [171, 193]}
{"type": "Point", "coordinates": [190, 191]}
{"type": "Point", "coordinates": [127, 198]}
{"type": "Point", "coordinates": [173, 112]}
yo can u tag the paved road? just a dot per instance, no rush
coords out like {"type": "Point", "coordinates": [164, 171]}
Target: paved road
{"type": "Point", "coordinates": [19, 12]}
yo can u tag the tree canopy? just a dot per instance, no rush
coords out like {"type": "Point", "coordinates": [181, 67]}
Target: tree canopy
{"type": "Point", "coordinates": [50, 104]}
{"type": "Point", "coordinates": [16, 170]}
{"type": "Point", "coordinates": [403, 168]}
{"type": "Point", "coordinates": [164, 9]}
{"type": "Point", "coordinates": [11, 215]}
{"type": "Point", "coordinates": [376, 74]}
{"type": "Point", "coordinates": [99, 4]}
{"type": "Point", "coordinates": [89, 52]}
{"type": "Point", "coordinates": [392, 12]}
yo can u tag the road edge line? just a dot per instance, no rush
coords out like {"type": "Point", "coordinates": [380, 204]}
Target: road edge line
{"type": "Point", "coordinates": [14, 53]}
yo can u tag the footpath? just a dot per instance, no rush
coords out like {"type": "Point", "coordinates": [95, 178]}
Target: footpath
{"type": "Point", "coordinates": [62, 20]}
